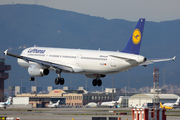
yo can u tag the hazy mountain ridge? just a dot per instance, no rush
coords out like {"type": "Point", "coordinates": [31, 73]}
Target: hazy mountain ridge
{"type": "Point", "coordinates": [32, 24]}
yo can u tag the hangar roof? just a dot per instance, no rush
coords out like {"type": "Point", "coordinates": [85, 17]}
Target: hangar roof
{"type": "Point", "coordinates": [161, 96]}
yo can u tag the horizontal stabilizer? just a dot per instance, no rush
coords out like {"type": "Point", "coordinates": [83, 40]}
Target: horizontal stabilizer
{"type": "Point", "coordinates": [151, 61]}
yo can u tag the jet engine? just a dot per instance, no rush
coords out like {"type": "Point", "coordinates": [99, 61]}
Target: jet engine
{"type": "Point", "coordinates": [94, 76]}
{"type": "Point", "coordinates": [37, 71]}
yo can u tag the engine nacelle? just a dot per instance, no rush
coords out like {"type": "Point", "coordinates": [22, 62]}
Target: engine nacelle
{"type": "Point", "coordinates": [94, 76]}
{"type": "Point", "coordinates": [37, 71]}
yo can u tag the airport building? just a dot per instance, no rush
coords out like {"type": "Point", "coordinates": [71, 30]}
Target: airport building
{"type": "Point", "coordinates": [11, 90]}
{"type": "Point", "coordinates": [78, 97]}
{"type": "Point", "coordinates": [50, 88]}
{"type": "Point", "coordinates": [3, 76]}
{"type": "Point", "coordinates": [160, 91]}
{"type": "Point", "coordinates": [140, 99]}
{"type": "Point", "coordinates": [33, 89]}
{"type": "Point", "coordinates": [18, 90]}
{"type": "Point", "coordinates": [44, 99]}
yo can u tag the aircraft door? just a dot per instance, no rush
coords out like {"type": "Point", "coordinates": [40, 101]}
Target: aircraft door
{"type": "Point", "coordinates": [78, 57]}
{"type": "Point", "coordinates": [113, 62]}
{"type": "Point", "coordinates": [47, 55]}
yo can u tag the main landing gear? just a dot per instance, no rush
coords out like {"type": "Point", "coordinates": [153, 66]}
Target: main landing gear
{"type": "Point", "coordinates": [59, 80]}
{"type": "Point", "coordinates": [97, 82]}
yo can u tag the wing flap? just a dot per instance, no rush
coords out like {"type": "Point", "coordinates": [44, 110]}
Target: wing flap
{"type": "Point", "coordinates": [66, 68]}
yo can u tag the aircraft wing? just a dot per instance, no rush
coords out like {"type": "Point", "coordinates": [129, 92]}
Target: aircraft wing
{"type": "Point", "coordinates": [1, 105]}
{"type": "Point", "coordinates": [62, 66]}
{"type": "Point", "coordinates": [151, 61]}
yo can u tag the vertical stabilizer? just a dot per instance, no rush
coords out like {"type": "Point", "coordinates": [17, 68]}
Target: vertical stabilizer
{"type": "Point", "coordinates": [161, 105]}
{"type": "Point", "coordinates": [120, 99]}
{"type": "Point", "coordinates": [177, 102]}
{"type": "Point", "coordinates": [8, 102]}
{"type": "Point", "coordinates": [58, 103]}
{"type": "Point", "coordinates": [134, 43]}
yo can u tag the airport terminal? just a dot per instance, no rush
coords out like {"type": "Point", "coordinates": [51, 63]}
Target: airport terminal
{"type": "Point", "coordinates": [82, 98]}
{"type": "Point", "coordinates": [78, 97]}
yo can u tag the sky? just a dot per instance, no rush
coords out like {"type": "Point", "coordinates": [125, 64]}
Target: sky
{"type": "Point", "coordinates": [131, 10]}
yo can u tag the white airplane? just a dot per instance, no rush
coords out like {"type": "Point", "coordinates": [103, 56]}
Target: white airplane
{"type": "Point", "coordinates": [54, 105]}
{"type": "Point", "coordinates": [93, 64]}
{"type": "Point", "coordinates": [92, 105]}
{"type": "Point", "coordinates": [5, 104]}
{"type": "Point", "coordinates": [172, 104]}
{"type": "Point", "coordinates": [112, 103]}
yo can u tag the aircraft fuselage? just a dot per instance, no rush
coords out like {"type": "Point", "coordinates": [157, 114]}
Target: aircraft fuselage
{"type": "Point", "coordinates": [100, 62]}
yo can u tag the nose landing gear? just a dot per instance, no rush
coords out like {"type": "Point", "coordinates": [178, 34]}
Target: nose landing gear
{"type": "Point", "coordinates": [31, 78]}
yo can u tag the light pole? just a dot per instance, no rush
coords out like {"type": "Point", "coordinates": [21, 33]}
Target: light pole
{"type": "Point", "coordinates": [21, 84]}
{"type": "Point", "coordinates": [70, 84]}
{"type": "Point", "coordinates": [164, 70]}
{"type": "Point", "coordinates": [86, 83]}
{"type": "Point", "coordinates": [36, 87]}
{"type": "Point", "coordinates": [112, 88]}
{"type": "Point", "coordinates": [8, 87]}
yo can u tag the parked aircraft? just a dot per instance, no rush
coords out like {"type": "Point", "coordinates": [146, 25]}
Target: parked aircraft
{"type": "Point", "coordinates": [5, 104]}
{"type": "Point", "coordinates": [92, 105]}
{"type": "Point", "coordinates": [112, 103]}
{"type": "Point", "coordinates": [165, 107]}
{"type": "Point", "coordinates": [54, 105]}
{"type": "Point", "coordinates": [172, 104]}
{"type": "Point", "coordinates": [93, 64]}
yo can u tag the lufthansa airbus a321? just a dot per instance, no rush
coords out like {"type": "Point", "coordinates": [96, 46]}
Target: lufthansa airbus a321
{"type": "Point", "coordinates": [93, 64]}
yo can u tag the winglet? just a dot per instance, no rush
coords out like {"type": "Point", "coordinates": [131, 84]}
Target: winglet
{"type": "Point", "coordinates": [174, 58]}
{"type": "Point", "coordinates": [5, 52]}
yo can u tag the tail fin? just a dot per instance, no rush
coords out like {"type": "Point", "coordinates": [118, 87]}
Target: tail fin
{"type": "Point", "coordinates": [58, 101]}
{"type": "Point", "coordinates": [120, 99]}
{"type": "Point", "coordinates": [177, 102]}
{"type": "Point", "coordinates": [132, 105]}
{"type": "Point", "coordinates": [8, 101]}
{"type": "Point", "coordinates": [161, 105]}
{"type": "Point", "coordinates": [134, 43]}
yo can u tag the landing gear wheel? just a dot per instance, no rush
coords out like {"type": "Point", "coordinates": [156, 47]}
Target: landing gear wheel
{"type": "Point", "coordinates": [31, 78]}
{"type": "Point", "coordinates": [99, 82]}
{"type": "Point", "coordinates": [61, 81]}
{"type": "Point", "coordinates": [57, 80]}
{"type": "Point", "coordinates": [94, 82]}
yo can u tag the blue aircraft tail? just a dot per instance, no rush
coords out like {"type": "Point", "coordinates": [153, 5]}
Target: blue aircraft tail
{"type": "Point", "coordinates": [134, 43]}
